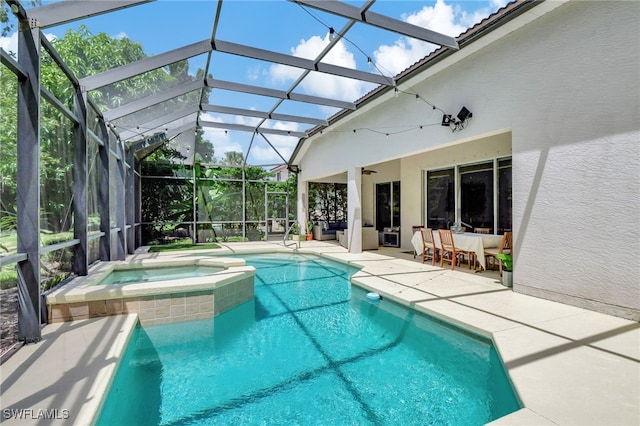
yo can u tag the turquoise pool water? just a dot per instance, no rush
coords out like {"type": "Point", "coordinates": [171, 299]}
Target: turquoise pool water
{"type": "Point", "coordinates": [310, 349]}
{"type": "Point", "coordinates": [128, 276]}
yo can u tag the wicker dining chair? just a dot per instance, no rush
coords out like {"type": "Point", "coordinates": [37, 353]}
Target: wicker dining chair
{"type": "Point", "coordinates": [429, 249]}
{"type": "Point", "coordinates": [449, 253]}
{"type": "Point", "coordinates": [506, 247]}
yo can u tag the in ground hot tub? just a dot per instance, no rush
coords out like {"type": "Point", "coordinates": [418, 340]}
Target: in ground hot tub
{"type": "Point", "coordinates": [158, 290]}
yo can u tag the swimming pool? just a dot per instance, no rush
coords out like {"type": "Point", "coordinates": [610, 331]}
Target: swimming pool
{"type": "Point", "coordinates": [310, 349]}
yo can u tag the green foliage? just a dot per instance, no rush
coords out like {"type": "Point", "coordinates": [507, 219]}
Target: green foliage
{"type": "Point", "coordinates": [8, 145]}
{"type": "Point", "coordinates": [8, 221]}
{"type": "Point", "coordinates": [8, 277]}
{"type": "Point", "coordinates": [85, 54]}
{"type": "Point", "coordinates": [295, 228]}
{"type": "Point", "coordinates": [328, 202]}
{"type": "Point", "coordinates": [6, 26]}
{"type": "Point", "coordinates": [507, 260]}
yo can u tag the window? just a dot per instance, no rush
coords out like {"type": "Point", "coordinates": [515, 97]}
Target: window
{"type": "Point", "coordinates": [504, 196]}
{"type": "Point", "coordinates": [478, 195]}
{"type": "Point", "coordinates": [440, 199]}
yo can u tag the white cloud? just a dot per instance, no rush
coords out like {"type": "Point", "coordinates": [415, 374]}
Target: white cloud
{"type": "Point", "coordinates": [253, 73]}
{"type": "Point", "coordinates": [441, 17]}
{"type": "Point", "coordinates": [262, 153]}
{"type": "Point", "coordinates": [236, 141]}
{"type": "Point", "coordinates": [222, 142]}
{"type": "Point", "coordinates": [390, 59]}
{"type": "Point", "coordinates": [10, 44]}
{"type": "Point", "coordinates": [120, 36]}
{"type": "Point", "coordinates": [319, 84]}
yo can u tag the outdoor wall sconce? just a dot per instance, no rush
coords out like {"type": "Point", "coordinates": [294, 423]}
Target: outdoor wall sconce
{"type": "Point", "coordinates": [464, 114]}
{"type": "Point", "coordinates": [458, 123]}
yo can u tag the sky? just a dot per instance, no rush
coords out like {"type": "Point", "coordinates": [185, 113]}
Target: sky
{"type": "Point", "coordinates": [286, 28]}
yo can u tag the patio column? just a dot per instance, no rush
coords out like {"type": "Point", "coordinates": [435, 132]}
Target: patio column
{"type": "Point", "coordinates": [354, 209]}
{"type": "Point", "coordinates": [302, 207]}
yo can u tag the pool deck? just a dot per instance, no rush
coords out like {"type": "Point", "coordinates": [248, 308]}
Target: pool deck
{"type": "Point", "coordinates": [569, 366]}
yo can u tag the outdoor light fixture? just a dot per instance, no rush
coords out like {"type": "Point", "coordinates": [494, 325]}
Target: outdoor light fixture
{"type": "Point", "coordinates": [293, 168]}
{"type": "Point", "coordinates": [464, 114]}
{"type": "Point", "coordinates": [459, 122]}
{"type": "Point", "coordinates": [332, 34]}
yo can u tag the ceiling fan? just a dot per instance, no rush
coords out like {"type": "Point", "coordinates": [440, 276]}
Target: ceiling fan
{"type": "Point", "coordinates": [368, 171]}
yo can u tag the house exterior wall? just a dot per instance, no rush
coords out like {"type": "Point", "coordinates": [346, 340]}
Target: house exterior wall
{"type": "Point", "coordinates": [563, 80]}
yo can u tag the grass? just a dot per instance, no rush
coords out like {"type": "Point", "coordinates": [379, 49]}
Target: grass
{"type": "Point", "coordinates": [183, 246]}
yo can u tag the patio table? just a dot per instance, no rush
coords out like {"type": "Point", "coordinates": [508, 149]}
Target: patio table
{"type": "Point", "coordinates": [468, 241]}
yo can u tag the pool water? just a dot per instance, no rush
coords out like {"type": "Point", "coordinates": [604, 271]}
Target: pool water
{"type": "Point", "coordinates": [128, 276]}
{"type": "Point", "coordinates": [310, 349]}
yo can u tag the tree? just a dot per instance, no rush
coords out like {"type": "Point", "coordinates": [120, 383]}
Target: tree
{"type": "Point", "coordinates": [328, 201]}
{"type": "Point", "coordinates": [6, 27]}
{"type": "Point", "coordinates": [8, 151]}
{"type": "Point", "coordinates": [85, 54]}
{"type": "Point", "coordinates": [232, 158]}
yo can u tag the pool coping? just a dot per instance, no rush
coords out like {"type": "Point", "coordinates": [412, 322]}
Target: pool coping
{"type": "Point", "coordinates": [568, 365]}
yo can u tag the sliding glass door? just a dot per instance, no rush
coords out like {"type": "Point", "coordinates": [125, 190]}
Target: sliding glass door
{"type": "Point", "coordinates": [387, 205]}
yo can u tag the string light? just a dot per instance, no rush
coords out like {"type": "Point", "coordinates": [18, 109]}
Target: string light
{"type": "Point", "coordinates": [386, 132]}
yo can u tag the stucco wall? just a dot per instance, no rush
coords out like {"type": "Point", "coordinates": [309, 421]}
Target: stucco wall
{"type": "Point", "coordinates": [567, 87]}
